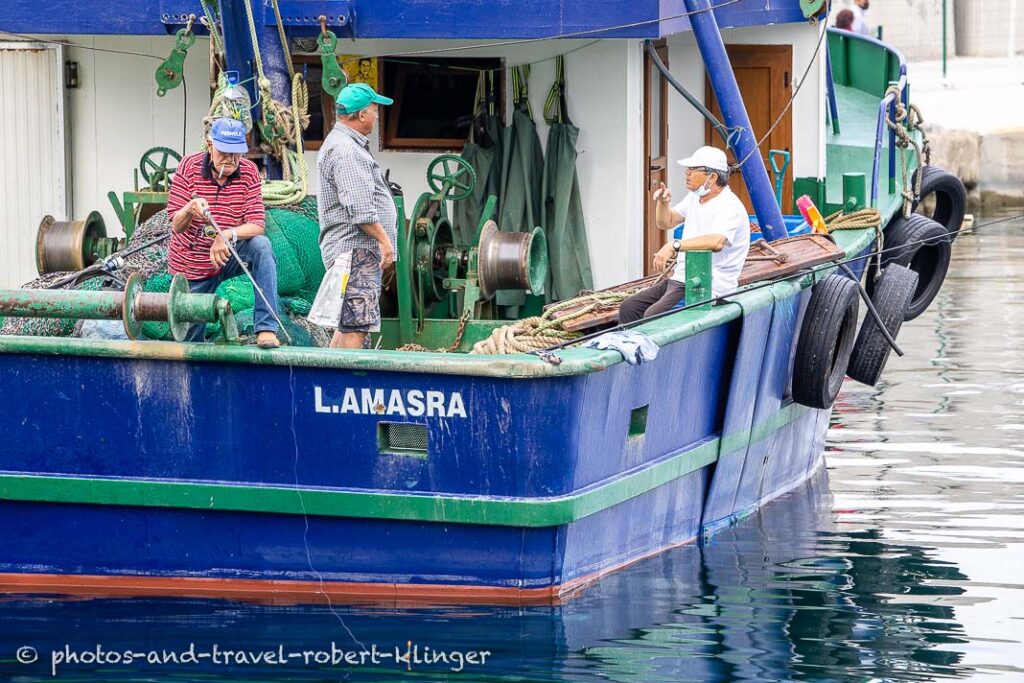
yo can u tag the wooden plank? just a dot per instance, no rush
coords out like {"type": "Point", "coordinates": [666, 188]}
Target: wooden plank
{"type": "Point", "coordinates": [797, 253]}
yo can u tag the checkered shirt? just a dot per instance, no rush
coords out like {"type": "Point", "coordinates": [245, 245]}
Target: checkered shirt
{"type": "Point", "coordinates": [352, 193]}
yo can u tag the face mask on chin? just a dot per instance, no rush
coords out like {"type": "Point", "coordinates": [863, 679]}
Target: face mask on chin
{"type": "Point", "coordinates": [703, 190]}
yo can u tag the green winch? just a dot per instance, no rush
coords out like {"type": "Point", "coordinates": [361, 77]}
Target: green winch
{"type": "Point", "coordinates": [178, 307]}
{"type": "Point", "coordinates": [439, 278]}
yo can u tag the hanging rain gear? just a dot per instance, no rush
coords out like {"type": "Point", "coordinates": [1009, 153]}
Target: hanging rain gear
{"type": "Point", "coordinates": [568, 253]}
{"type": "Point", "coordinates": [522, 174]}
{"type": "Point", "coordinates": [483, 151]}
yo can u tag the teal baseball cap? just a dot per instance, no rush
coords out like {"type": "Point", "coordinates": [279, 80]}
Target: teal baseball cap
{"type": "Point", "coordinates": [359, 96]}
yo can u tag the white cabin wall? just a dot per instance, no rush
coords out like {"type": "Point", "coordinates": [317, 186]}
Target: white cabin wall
{"type": "Point", "coordinates": [686, 126]}
{"type": "Point", "coordinates": [115, 114]}
{"type": "Point", "coordinates": [604, 99]}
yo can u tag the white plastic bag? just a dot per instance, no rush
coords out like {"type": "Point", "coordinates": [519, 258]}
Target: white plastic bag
{"type": "Point", "coordinates": [326, 310]}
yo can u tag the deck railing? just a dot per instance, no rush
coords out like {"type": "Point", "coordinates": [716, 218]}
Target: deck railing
{"type": "Point", "coordinates": [872, 66]}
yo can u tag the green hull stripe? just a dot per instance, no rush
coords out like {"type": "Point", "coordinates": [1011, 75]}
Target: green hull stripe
{"type": "Point", "coordinates": [518, 512]}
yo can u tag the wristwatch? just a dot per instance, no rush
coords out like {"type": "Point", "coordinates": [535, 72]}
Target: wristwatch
{"type": "Point", "coordinates": [675, 245]}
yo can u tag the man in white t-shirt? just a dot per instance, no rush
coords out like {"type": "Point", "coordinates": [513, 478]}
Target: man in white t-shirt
{"type": "Point", "coordinates": [860, 17]}
{"type": "Point", "coordinates": [715, 220]}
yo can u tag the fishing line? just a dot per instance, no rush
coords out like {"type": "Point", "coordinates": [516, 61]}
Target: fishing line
{"type": "Point", "coordinates": [305, 517]}
{"type": "Point", "coordinates": [245, 269]}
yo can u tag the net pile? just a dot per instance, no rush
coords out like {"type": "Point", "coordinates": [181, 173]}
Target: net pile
{"type": "Point", "coordinates": [293, 232]}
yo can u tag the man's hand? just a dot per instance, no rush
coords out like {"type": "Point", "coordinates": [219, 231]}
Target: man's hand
{"type": "Point", "coordinates": [664, 255]}
{"type": "Point", "coordinates": [663, 194]}
{"type": "Point", "coordinates": [219, 252]}
{"type": "Point", "coordinates": [387, 254]}
{"type": "Point", "coordinates": [197, 206]}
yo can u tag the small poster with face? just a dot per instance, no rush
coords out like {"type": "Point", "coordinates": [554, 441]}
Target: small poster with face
{"type": "Point", "coordinates": [360, 69]}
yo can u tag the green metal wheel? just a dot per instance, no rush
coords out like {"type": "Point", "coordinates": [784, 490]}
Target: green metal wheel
{"type": "Point", "coordinates": [156, 167]}
{"type": "Point", "coordinates": [132, 324]}
{"type": "Point", "coordinates": [451, 177]}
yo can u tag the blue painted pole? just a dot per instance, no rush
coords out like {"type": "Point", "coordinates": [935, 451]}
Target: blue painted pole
{"type": "Point", "coordinates": [238, 51]}
{"type": "Point", "coordinates": [723, 82]}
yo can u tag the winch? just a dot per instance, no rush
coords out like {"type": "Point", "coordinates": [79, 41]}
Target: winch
{"type": "Point", "coordinates": [73, 245]}
{"type": "Point", "coordinates": [437, 277]}
{"type": "Point", "coordinates": [178, 307]}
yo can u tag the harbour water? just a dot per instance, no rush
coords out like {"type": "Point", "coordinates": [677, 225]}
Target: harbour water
{"type": "Point", "coordinates": [902, 561]}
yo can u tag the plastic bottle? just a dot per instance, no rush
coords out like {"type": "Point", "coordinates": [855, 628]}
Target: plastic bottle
{"type": "Point", "coordinates": [811, 214]}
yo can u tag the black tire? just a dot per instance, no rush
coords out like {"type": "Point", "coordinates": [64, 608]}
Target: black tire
{"type": "Point", "coordinates": [826, 341]}
{"type": "Point", "coordinates": [927, 252]}
{"type": "Point", "coordinates": [950, 198]}
{"type": "Point", "coordinates": [892, 296]}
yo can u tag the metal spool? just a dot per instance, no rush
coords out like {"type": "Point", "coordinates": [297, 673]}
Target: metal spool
{"type": "Point", "coordinates": [68, 245]}
{"type": "Point", "coordinates": [132, 323]}
{"type": "Point", "coordinates": [512, 260]}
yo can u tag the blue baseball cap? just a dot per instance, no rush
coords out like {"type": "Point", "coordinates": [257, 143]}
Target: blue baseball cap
{"type": "Point", "coordinates": [228, 136]}
{"type": "Point", "coordinates": [357, 97]}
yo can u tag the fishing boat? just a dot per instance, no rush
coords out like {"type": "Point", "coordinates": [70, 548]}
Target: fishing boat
{"type": "Point", "coordinates": [416, 469]}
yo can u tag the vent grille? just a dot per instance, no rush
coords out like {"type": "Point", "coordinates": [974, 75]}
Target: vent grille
{"type": "Point", "coordinates": [402, 439]}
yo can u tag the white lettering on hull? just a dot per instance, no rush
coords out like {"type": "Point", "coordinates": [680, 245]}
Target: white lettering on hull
{"type": "Point", "coordinates": [393, 403]}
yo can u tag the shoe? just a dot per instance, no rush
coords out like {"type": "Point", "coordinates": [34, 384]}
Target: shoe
{"type": "Point", "coordinates": [267, 340]}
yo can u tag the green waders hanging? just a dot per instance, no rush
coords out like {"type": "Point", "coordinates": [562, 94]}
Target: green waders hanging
{"type": "Point", "coordinates": [522, 175]}
{"type": "Point", "coordinates": [563, 218]}
{"type": "Point", "coordinates": [483, 152]}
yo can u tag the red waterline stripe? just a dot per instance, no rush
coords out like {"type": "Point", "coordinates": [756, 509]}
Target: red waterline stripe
{"type": "Point", "coordinates": [273, 591]}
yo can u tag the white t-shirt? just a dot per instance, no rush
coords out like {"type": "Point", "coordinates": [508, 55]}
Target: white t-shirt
{"type": "Point", "coordinates": [722, 215]}
{"type": "Point", "coordinates": [860, 21]}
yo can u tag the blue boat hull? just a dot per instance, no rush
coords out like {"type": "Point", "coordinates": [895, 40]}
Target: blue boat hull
{"type": "Point", "coordinates": [177, 476]}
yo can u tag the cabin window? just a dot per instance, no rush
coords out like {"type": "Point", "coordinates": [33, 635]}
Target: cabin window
{"type": "Point", "coordinates": [434, 101]}
{"type": "Point", "coordinates": [402, 439]}
{"type": "Point", "coordinates": [321, 104]}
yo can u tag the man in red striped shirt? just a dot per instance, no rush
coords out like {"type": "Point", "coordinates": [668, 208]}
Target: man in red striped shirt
{"type": "Point", "coordinates": [229, 186]}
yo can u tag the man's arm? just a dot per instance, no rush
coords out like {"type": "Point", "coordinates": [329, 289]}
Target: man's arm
{"type": "Point", "coordinates": [355, 183]}
{"type": "Point", "coordinates": [665, 217]}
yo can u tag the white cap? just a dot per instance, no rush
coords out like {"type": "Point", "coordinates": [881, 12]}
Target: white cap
{"type": "Point", "coordinates": [707, 157]}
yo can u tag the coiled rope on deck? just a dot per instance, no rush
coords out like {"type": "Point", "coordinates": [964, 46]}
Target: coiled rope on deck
{"type": "Point", "coordinates": [540, 332]}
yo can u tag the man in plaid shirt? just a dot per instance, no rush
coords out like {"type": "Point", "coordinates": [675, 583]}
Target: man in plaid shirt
{"type": "Point", "coordinates": [357, 212]}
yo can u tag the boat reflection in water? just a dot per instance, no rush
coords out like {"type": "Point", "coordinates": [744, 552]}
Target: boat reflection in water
{"type": "Point", "coordinates": [784, 595]}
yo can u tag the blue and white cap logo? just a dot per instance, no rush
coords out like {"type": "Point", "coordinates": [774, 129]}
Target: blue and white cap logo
{"type": "Point", "coordinates": [228, 136]}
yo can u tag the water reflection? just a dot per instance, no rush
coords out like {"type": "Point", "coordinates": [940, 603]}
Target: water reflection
{"type": "Point", "coordinates": [783, 596]}
{"type": "Point", "coordinates": [899, 564]}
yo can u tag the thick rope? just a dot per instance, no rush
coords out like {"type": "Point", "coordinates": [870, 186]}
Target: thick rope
{"type": "Point", "coordinates": [904, 139]}
{"type": "Point", "coordinates": [858, 220]}
{"type": "Point", "coordinates": [532, 334]}
{"type": "Point", "coordinates": [211, 24]}
{"type": "Point", "coordinates": [294, 187]}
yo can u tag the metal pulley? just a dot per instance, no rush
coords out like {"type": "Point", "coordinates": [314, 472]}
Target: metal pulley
{"type": "Point", "coordinates": [511, 260]}
{"type": "Point", "coordinates": [72, 245]}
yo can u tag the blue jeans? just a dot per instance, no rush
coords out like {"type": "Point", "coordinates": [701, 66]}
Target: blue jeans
{"type": "Point", "coordinates": [259, 258]}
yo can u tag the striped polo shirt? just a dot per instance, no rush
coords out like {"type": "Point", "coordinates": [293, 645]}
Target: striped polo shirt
{"type": "Point", "coordinates": [239, 200]}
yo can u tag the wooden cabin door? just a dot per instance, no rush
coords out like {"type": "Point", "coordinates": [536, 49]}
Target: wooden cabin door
{"type": "Point", "coordinates": [655, 147]}
{"type": "Point", "coordinates": [764, 76]}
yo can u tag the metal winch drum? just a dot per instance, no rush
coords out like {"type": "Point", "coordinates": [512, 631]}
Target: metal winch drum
{"type": "Point", "coordinates": [178, 307]}
{"type": "Point", "coordinates": [511, 260]}
{"type": "Point", "coordinates": [73, 245]}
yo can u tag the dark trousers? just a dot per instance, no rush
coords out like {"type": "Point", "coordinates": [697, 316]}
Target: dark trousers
{"type": "Point", "coordinates": [259, 257]}
{"type": "Point", "coordinates": [652, 301]}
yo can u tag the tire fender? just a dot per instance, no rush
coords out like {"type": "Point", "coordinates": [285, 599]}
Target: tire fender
{"type": "Point", "coordinates": [893, 293]}
{"type": "Point", "coordinates": [826, 341]}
